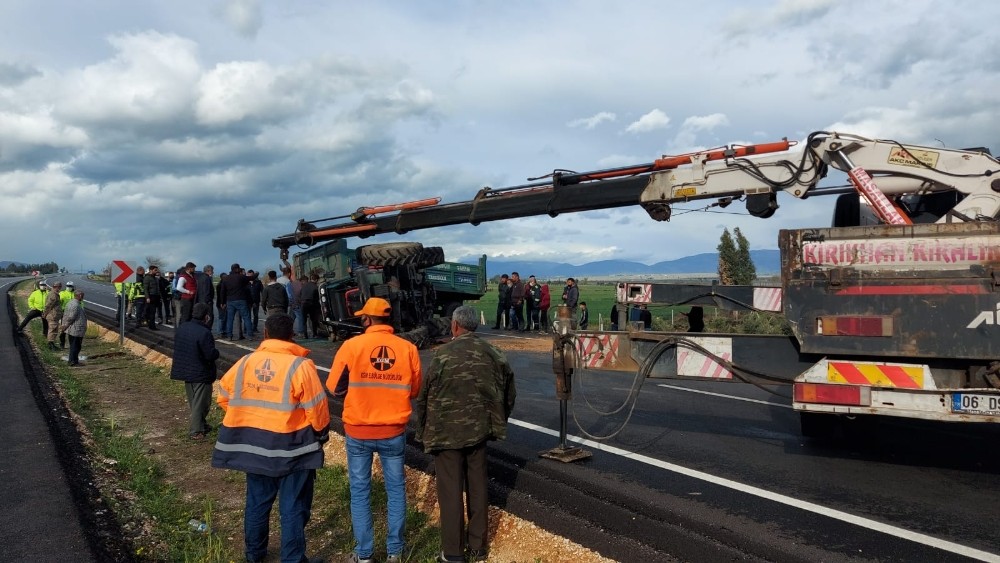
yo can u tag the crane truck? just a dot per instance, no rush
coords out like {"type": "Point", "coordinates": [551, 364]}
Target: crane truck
{"type": "Point", "coordinates": [894, 309]}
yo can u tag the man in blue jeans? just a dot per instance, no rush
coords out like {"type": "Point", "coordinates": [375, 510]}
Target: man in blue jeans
{"type": "Point", "coordinates": [276, 422]}
{"type": "Point", "coordinates": [378, 374]}
{"type": "Point", "coordinates": [234, 294]}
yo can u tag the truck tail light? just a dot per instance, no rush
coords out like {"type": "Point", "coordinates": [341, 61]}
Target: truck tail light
{"type": "Point", "coordinates": [856, 395]}
{"type": "Point", "coordinates": [854, 325]}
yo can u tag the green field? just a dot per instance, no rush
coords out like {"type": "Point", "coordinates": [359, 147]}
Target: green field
{"type": "Point", "coordinates": [600, 298]}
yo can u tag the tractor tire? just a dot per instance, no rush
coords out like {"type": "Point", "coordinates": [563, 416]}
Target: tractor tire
{"type": "Point", "coordinates": [430, 256]}
{"type": "Point", "coordinates": [390, 254]}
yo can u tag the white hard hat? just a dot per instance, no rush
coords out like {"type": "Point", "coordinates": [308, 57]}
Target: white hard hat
{"type": "Point", "coordinates": [69, 283]}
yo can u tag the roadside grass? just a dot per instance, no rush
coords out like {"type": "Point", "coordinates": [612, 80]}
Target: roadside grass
{"type": "Point", "coordinates": [151, 512]}
{"type": "Point", "coordinates": [149, 499]}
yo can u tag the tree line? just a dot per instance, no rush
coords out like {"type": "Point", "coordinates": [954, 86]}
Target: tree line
{"type": "Point", "coordinates": [46, 268]}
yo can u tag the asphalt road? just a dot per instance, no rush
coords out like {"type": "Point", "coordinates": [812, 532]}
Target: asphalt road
{"type": "Point", "coordinates": [704, 471]}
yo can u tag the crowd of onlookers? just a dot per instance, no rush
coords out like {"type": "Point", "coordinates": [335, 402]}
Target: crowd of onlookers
{"type": "Point", "coordinates": [524, 306]}
{"type": "Point", "coordinates": [63, 316]}
{"type": "Point", "coordinates": [235, 301]}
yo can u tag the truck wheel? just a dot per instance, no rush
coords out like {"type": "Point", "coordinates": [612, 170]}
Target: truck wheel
{"type": "Point", "coordinates": [390, 254]}
{"type": "Point", "coordinates": [430, 256]}
{"type": "Point", "coordinates": [818, 425]}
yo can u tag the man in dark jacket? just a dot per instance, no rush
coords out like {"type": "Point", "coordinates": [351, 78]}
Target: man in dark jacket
{"type": "Point", "coordinates": [466, 398]}
{"type": "Point", "coordinates": [503, 304]}
{"type": "Point", "coordinates": [275, 296]}
{"type": "Point", "coordinates": [151, 288]}
{"type": "Point", "coordinates": [194, 364]}
{"type": "Point", "coordinates": [205, 290]}
{"type": "Point", "coordinates": [517, 303]}
{"type": "Point", "coordinates": [166, 296]}
{"type": "Point", "coordinates": [309, 301]}
{"type": "Point", "coordinates": [256, 288]}
{"type": "Point", "coordinates": [235, 296]}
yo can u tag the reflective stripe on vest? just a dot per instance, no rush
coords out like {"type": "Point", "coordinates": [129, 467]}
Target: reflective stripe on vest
{"type": "Point", "coordinates": [264, 452]}
{"type": "Point", "coordinates": [373, 384]}
{"type": "Point", "coordinates": [286, 391]}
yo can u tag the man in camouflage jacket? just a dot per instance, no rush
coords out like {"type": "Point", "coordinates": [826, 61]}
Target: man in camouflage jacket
{"type": "Point", "coordinates": [466, 399]}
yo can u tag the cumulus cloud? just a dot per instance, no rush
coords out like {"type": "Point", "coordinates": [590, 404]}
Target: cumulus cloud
{"type": "Point", "coordinates": [687, 136]}
{"type": "Point", "coordinates": [152, 78]}
{"type": "Point", "coordinates": [592, 121]}
{"type": "Point", "coordinates": [244, 16]}
{"type": "Point", "coordinates": [652, 121]}
{"type": "Point", "coordinates": [240, 90]}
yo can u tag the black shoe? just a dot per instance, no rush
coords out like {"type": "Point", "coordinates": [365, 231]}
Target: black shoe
{"type": "Point", "coordinates": [478, 554]}
{"type": "Point", "coordinates": [52, 346]}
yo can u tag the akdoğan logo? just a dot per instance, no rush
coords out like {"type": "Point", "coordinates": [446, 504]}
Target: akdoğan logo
{"type": "Point", "coordinates": [382, 358]}
{"type": "Point", "coordinates": [264, 372]}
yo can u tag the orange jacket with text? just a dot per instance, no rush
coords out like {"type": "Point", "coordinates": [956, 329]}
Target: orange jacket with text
{"type": "Point", "coordinates": [380, 372]}
{"type": "Point", "coordinates": [277, 417]}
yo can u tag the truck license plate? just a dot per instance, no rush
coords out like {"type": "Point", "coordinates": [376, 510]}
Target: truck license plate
{"type": "Point", "coordinates": [973, 403]}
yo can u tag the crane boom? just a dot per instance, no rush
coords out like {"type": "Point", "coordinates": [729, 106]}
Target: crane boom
{"type": "Point", "coordinates": [753, 173]}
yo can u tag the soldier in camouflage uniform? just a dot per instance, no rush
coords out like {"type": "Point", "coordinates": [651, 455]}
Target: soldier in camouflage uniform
{"type": "Point", "coordinates": [466, 375]}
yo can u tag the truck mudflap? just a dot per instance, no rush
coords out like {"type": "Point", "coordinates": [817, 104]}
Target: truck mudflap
{"type": "Point", "coordinates": [889, 389]}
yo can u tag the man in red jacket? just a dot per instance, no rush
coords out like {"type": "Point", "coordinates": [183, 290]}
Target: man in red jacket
{"type": "Point", "coordinates": [377, 373]}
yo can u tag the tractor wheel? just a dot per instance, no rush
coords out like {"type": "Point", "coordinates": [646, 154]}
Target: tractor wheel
{"type": "Point", "coordinates": [430, 256]}
{"type": "Point", "coordinates": [390, 254]}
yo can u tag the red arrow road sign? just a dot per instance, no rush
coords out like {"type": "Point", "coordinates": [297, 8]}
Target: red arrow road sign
{"type": "Point", "coordinates": [121, 271]}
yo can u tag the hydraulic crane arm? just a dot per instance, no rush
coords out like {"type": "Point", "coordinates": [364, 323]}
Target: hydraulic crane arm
{"type": "Point", "coordinates": [754, 173]}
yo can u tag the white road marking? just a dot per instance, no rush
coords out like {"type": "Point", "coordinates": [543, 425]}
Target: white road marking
{"type": "Point", "coordinates": [777, 497]}
{"type": "Point", "coordinates": [724, 396]}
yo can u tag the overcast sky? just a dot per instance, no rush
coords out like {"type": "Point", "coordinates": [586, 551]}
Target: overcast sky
{"type": "Point", "coordinates": [201, 129]}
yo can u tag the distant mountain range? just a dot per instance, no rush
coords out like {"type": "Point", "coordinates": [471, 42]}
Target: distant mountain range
{"type": "Point", "coordinates": [5, 263]}
{"type": "Point", "coordinates": [766, 261]}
